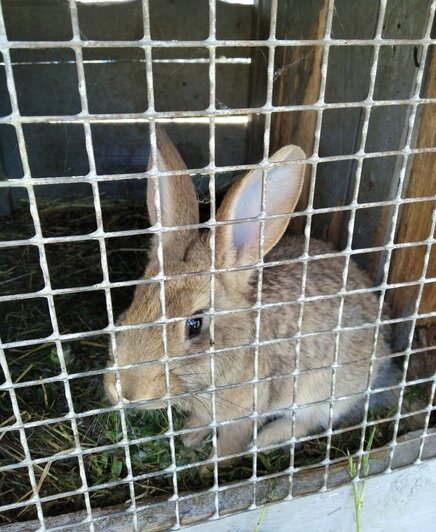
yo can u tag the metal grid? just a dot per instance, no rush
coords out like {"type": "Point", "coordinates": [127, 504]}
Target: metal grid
{"type": "Point", "coordinates": [212, 114]}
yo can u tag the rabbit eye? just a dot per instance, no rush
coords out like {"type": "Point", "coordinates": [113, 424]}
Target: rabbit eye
{"type": "Point", "coordinates": [193, 327]}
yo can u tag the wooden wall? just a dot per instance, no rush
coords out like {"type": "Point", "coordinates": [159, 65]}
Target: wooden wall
{"type": "Point", "coordinates": [46, 82]}
{"type": "Point", "coordinates": [298, 82]}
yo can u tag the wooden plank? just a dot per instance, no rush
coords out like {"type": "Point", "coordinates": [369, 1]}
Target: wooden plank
{"type": "Point", "coordinates": [403, 500]}
{"type": "Point", "coordinates": [387, 130]}
{"type": "Point", "coordinates": [388, 127]}
{"type": "Point", "coordinates": [298, 78]}
{"type": "Point", "coordinates": [415, 218]}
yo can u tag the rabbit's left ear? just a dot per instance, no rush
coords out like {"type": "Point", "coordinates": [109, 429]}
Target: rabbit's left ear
{"type": "Point", "coordinates": [238, 243]}
{"type": "Point", "coordinates": [178, 200]}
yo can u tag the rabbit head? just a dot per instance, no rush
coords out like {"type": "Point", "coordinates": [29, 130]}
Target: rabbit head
{"type": "Point", "coordinates": [187, 260]}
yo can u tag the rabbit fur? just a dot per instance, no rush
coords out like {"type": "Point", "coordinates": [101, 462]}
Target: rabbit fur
{"type": "Point", "coordinates": [237, 245]}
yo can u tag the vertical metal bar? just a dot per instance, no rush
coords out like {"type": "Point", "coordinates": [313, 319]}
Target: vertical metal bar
{"type": "Point", "coordinates": [350, 230]}
{"type": "Point", "coordinates": [425, 433]}
{"type": "Point", "coordinates": [262, 217]}
{"type": "Point", "coordinates": [102, 244]}
{"type": "Point", "coordinates": [97, 207]}
{"type": "Point", "coordinates": [46, 277]}
{"type": "Point", "coordinates": [212, 243]}
{"type": "Point", "coordinates": [27, 462]}
{"type": "Point", "coordinates": [154, 174]}
{"type": "Point", "coordinates": [307, 231]}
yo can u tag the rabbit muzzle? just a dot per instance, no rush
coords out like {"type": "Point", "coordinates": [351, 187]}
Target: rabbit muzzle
{"type": "Point", "coordinates": [143, 386]}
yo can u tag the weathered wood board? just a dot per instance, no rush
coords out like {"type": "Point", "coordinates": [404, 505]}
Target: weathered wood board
{"type": "Point", "coordinates": [416, 218]}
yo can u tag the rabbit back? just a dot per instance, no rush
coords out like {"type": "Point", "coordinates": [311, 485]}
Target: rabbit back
{"type": "Point", "coordinates": [319, 351]}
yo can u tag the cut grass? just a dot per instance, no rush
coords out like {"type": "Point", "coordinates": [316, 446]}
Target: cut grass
{"type": "Point", "coordinates": [359, 488]}
{"type": "Point", "coordinates": [78, 264]}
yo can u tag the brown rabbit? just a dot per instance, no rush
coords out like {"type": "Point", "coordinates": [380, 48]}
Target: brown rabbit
{"type": "Point", "coordinates": [188, 297]}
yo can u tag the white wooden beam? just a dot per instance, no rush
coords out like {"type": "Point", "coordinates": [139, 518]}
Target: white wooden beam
{"type": "Point", "coordinates": [403, 500]}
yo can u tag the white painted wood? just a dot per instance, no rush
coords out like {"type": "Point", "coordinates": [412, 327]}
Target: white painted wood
{"type": "Point", "coordinates": [403, 501]}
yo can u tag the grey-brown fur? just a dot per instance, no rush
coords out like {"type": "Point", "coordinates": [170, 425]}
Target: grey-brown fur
{"type": "Point", "coordinates": [189, 251]}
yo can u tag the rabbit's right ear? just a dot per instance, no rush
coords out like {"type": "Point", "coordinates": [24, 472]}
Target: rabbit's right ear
{"type": "Point", "coordinates": [238, 243]}
{"type": "Point", "coordinates": [178, 200]}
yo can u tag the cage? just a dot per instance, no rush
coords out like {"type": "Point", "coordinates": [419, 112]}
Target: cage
{"type": "Point", "coordinates": [85, 86]}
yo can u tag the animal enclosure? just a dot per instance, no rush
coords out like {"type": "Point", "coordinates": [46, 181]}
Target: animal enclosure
{"type": "Point", "coordinates": [85, 87]}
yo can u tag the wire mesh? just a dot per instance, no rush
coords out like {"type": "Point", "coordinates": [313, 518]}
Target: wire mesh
{"type": "Point", "coordinates": [212, 116]}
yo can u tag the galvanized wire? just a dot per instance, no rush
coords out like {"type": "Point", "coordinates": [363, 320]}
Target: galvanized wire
{"type": "Point", "coordinates": [212, 116]}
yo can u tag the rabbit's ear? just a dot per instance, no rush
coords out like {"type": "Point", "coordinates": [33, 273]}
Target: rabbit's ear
{"type": "Point", "coordinates": [179, 205]}
{"type": "Point", "coordinates": [238, 243]}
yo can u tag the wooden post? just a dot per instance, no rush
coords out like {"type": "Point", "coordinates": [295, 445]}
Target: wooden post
{"type": "Point", "coordinates": [416, 218]}
{"type": "Point", "coordinates": [298, 78]}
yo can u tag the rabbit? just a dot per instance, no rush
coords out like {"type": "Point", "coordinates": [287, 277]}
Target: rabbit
{"type": "Point", "coordinates": [187, 251]}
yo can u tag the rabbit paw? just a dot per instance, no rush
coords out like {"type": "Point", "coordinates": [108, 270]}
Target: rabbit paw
{"type": "Point", "coordinates": [194, 439]}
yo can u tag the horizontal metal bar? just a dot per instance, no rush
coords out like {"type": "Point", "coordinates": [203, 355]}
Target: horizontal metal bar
{"type": "Point", "coordinates": [315, 159]}
{"type": "Point", "coordinates": [213, 43]}
{"type": "Point", "coordinates": [101, 234]}
{"type": "Point", "coordinates": [144, 118]}
{"type": "Point", "coordinates": [98, 372]}
{"type": "Point", "coordinates": [44, 292]}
